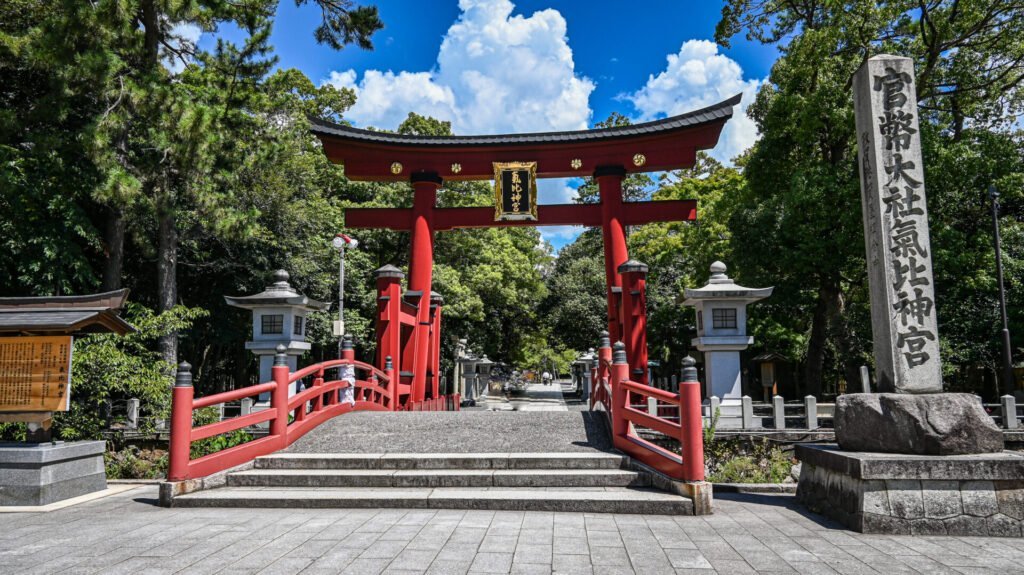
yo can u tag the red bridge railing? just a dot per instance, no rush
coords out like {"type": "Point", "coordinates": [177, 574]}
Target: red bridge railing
{"type": "Point", "coordinates": [289, 417]}
{"type": "Point", "coordinates": [611, 391]}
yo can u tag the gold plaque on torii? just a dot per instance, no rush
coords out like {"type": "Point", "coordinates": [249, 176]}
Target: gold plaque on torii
{"type": "Point", "coordinates": [35, 373]}
{"type": "Point", "coordinates": [515, 191]}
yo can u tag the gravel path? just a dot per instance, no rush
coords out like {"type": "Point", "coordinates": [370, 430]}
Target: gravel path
{"type": "Point", "coordinates": [458, 432]}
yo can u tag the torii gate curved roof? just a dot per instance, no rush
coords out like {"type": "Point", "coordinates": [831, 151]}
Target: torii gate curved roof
{"type": "Point", "coordinates": [661, 145]}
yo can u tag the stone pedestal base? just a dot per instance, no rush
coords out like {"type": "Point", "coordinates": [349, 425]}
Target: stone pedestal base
{"type": "Point", "coordinates": [899, 494]}
{"type": "Point", "coordinates": [40, 474]}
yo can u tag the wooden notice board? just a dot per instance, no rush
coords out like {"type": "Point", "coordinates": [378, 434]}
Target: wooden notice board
{"type": "Point", "coordinates": [35, 373]}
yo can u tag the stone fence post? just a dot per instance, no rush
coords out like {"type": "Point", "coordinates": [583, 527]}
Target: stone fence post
{"type": "Point", "coordinates": [1009, 412]}
{"type": "Point", "coordinates": [811, 410]}
{"type": "Point", "coordinates": [133, 413]}
{"type": "Point", "coordinates": [779, 412]}
{"type": "Point", "coordinates": [747, 412]}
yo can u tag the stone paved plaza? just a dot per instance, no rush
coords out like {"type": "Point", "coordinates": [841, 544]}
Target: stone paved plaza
{"type": "Point", "coordinates": [128, 533]}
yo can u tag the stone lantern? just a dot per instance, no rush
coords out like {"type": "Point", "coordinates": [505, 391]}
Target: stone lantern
{"type": "Point", "coordinates": [722, 334]}
{"type": "Point", "coordinates": [278, 318]}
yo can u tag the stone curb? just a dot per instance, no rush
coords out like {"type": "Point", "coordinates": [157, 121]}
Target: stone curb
{"type": "Point", "coordinates": [763, 488]}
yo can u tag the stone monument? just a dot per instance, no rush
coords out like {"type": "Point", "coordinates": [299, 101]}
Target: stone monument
{"type": "Point", "coordinates": [36, 340]}
{"type": "Point", "coordinates": [721, 335]}
{"type": "Point", "coordinates": [910, 460]}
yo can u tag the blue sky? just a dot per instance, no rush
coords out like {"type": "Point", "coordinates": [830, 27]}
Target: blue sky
{"type": "Point", "coordinates": [498, 66]}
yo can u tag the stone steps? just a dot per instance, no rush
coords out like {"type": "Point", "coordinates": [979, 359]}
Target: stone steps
{"type": "Point", "coordinates": [593, 482]}
{"type": "Point", "coordinates": [397, 461]}
{"type": "Point", "coordinates": [582, 500]}
{"type": "Point", "coordinates": [437, 478]}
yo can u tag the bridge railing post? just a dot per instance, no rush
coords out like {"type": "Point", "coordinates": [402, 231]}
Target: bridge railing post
{"type": "Point", "coordinates": [389, 368]}
{"type": "Point", "coordinates": [279, 397]}
{"type": "Point", "coordinates": [604, 358]}
{"type": "Point", "coordinates": [691, 424]}
{"type": "Point", "coordinates": [181, 424]}
{"type": "Point", "coordinates": [319, 401]}
{"type": "Point", "coordinates": [619, 373]}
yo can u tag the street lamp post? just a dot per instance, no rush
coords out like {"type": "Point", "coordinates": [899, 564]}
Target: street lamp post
{"type": "Point", "coordinates": [1008, 379]}
{"type": "Point", "coordinates": [340, 242]}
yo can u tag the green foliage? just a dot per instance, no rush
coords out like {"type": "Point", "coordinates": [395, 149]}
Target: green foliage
{"type": "Point", "coordinates": [107, 368]}
{"type": "Point", "coordinates": [711, 426]}
{"type": "Point", "coordinates": [796, 223]}
{"type": "Point", "coordinates": [746, 461]}
{"type": "Point", "coordinates": [135, 463]}
{"type": "Point", "coordinates": [219, 443]}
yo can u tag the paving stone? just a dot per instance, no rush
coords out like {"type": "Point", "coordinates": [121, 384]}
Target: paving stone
{"type": "Point", "coordinates": [532, 553]}
{"type": "Point", "coordinates": [491, 563]}
{"type": "Point", "coordinates": [687, 559]}
{"type": "Point", "coordinates": [413, 559]}
{"type": "Point", "coordinates": [571, 546]}
{"type": "Point", "coordinates": [608, 556]}
{"type": "Point", "coordinates": [446, 567]}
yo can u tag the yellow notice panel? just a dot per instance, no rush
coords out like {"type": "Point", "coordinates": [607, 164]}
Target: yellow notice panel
{"type": "Point", "coordinates": [35, 373]}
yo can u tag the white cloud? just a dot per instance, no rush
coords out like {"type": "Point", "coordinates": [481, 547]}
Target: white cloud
{"type": "Point", "coordinates": [559, 236]}
{"type": "Point", "coordinates": [557, 190]}
{"type": "Point", "coordinates": [495, 73]}
{"type": "Point", "coordinates": [696, 77]}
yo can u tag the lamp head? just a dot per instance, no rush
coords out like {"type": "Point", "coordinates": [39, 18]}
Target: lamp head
{"type": "Point", "coordinates": [341, 241]}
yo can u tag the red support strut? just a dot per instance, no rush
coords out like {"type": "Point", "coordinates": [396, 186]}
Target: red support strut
{"type": "Point", "coordinates": [634, 318]}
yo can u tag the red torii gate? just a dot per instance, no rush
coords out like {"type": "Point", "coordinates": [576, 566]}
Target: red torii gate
{"type": "Point", "coordinates": [607, 154]}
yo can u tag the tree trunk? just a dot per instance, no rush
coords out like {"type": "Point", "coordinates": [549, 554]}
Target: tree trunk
{"type": "Point", "coordinates": [167, 281]}
{"type": "Point", "coordinates": [849, 356]}
{"type": "Point", "coordinates": [151, 29]}
{"type": "Point", "coordinates": [113, 241]}
{"type": "Point", "coordinates": [815, 362]}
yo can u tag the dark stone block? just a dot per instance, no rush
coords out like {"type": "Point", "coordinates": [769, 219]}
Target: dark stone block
{"type": "Point", "coordinates": [1010, 496]}
{"type": "Point", "coordinates": [927, 527]}
{"type": "Point", "coordinates": [931, 424]}
{"type": "Point", "coordinates": [1003, 526]}
{"type": "Point", "coordinates": [966, 525]}
{"type": "Point", "coordinates": [871, 523]}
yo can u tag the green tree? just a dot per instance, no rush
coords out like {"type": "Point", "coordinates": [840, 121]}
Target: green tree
{"type": "Point", "coordinates": [798, 222]}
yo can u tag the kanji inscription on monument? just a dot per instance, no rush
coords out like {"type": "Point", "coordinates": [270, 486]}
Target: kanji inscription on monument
{"type": "Point", "coordinates": [35, 373]}
{"type": "Point", "coordinates": [903, 321]}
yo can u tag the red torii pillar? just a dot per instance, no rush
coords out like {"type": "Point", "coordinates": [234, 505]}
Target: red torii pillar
{"type": "Point", "coordinates": [609, 185]}
{"type": "Point", "coordinates": [421, 269]}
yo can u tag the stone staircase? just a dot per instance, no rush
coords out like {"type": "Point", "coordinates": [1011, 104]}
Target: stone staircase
{"type": "Point", "coordinates": [588, 481]}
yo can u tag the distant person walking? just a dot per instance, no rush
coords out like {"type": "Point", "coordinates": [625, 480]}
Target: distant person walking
{"type": "Point", "coordinates": [546, 378]}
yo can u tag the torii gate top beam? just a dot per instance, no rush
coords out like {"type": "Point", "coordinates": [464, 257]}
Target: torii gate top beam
{"type": "Point", "coordinates": [661, 145]}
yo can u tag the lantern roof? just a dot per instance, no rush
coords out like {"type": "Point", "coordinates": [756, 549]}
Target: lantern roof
{"type": "Point", "coordinates": [279, 293]}
{"type": "Point", "coordinates": [722, 287]}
